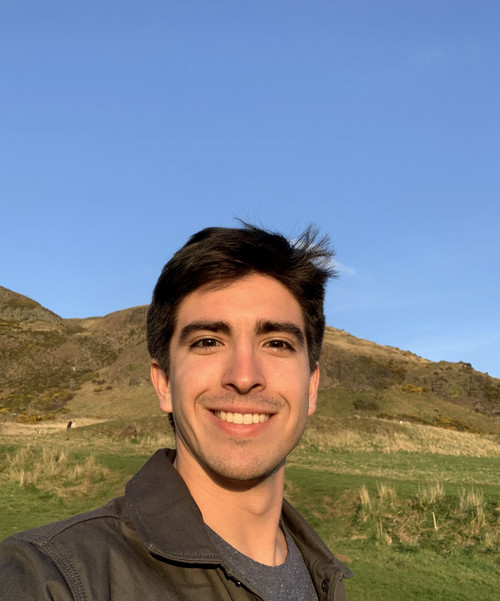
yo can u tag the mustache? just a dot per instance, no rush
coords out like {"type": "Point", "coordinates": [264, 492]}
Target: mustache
{"type": "Point", "coordinates": [260, 403]}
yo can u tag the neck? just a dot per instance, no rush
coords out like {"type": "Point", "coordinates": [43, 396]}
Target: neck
{"type": "Point", "coordinates": [245, 514]}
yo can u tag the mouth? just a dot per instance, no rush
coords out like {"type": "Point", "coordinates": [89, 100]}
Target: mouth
{"type": "Point", "coordinates": [242, 418]}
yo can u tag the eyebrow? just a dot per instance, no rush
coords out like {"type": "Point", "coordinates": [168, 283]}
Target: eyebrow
{"type": "Point", "coordinates": [284, 327]}
{"type": "Point", "coordinates": [262, 327]}
{"type": "Point", "coordinates": [197, 326]}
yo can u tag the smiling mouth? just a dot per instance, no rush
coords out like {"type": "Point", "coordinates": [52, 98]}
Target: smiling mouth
{"type": "Point", "coordinates": [242, 418]}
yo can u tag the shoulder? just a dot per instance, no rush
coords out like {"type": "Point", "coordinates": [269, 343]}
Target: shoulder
{"type": "Point", "coordinates": [94, 523]}
{"type": "Point", "coordinates": [46, 562]}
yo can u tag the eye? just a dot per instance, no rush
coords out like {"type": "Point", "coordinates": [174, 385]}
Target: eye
{"type": "Point", "coordinates": [280, 345]}
{"type": "Point", "coordinates": [205, 343]}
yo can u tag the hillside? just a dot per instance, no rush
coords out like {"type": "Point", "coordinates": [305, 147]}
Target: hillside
{"type": "Point", "coordinates": [100, 366]}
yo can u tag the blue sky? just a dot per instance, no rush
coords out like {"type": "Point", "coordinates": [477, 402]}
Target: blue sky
{"type": "Point", "coordinates": [126, 126]}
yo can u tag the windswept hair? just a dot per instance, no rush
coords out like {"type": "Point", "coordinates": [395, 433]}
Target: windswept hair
{"type": "Point", "coordinates": [222, 255]}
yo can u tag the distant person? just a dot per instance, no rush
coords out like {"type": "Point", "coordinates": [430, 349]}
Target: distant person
{"type": "Point", "coordinates": [234, 331]}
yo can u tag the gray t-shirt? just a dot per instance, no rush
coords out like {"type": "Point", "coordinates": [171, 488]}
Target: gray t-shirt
{"type": "Point", "coordinates": [288, 582]}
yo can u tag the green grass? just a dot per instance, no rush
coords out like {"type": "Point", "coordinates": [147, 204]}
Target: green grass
{"type": "Point", "coordinates": [409, 544]}
{"type": "Point", "coordinates": [53, 496]}
{"type": "Point", "coordinates": [414, 511]}
{"type": "Point", "coordinates": [384, 573]}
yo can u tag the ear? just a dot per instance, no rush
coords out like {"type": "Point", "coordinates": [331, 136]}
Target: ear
{"type": "Point", "coordinates": [313, 389]}
{"type": "Point", "coordinates": [161, 384]}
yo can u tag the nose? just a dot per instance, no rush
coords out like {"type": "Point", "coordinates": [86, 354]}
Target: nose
{"type": "Point", "coordinates": [243, 371]}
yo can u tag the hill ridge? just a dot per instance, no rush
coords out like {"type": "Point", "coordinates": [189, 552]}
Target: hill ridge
{"type": "Point", "coordinates": [17, 307]}
{"type": "Point", "coordinates": [51, 364]}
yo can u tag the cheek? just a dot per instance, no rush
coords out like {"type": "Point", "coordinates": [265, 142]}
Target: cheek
{"type": "Point", "coordinates": [189, 380]}
{"type": "Point", "coordinates": [294, 377]}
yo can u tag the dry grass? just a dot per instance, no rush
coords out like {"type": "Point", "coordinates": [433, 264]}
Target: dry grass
{"type": "Point", "coordinates": [470, 499]}
{"type": "Point", "coordinates": [365, 502]}
{"type": "Point", "coordinates": [406, 437]}
{"type": "Point", "coordinates": [429, 519]}
{"type": "Point", "coordinates": [55, 471]}
{"type": "Point", "coordinates": [471, 503]}
{"type": "Point", "coordinates": [151, 442]}
{"type": "Point", "coordinates": [387, 494]}
{"type": "Point", "coordinates": [430, 492]}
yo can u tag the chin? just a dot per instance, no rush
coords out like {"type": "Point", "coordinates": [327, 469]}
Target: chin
{"type": "Point", "coordinates": [244, 472]}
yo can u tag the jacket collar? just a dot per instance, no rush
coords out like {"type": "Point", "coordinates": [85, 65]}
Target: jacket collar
{"type": "Point", "coordinates": [164, 513]}
{"type": "Point", "coordinates": [171, 525]}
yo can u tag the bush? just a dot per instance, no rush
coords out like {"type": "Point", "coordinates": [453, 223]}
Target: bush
{"type": "Point", "coordinates": [362, 404]}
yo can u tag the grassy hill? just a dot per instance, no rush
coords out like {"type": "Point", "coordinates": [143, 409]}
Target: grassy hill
{"type": "Point", "coordinates": [83, 367]}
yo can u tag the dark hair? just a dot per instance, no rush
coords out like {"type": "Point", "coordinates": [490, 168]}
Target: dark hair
{"type": "Point", "coordinates": [218, 254]}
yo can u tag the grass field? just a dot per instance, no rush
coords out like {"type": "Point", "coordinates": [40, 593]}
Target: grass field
{"type": "Point", "coordinates": [413, 510]}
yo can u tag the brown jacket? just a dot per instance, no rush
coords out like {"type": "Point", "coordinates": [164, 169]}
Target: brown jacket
{"type": "Point", "coordinates": [150, 545]}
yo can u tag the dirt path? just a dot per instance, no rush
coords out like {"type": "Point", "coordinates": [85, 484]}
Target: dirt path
{"type": "Point", "coordinates": [24, 430]}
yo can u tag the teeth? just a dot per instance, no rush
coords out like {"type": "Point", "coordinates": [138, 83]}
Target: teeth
{"type": "Point", "coordinates": [242, 418]}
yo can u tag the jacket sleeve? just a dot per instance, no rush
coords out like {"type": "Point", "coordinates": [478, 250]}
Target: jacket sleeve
{"type": "Point", "coordinates": [27, 574]}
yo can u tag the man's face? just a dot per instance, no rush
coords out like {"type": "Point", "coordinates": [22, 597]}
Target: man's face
{"type": "Point", "coordinates": [239, 384]}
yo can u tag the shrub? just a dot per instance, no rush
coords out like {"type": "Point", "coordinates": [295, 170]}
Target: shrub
{"type": "Point", "coordinates": [362, 404]}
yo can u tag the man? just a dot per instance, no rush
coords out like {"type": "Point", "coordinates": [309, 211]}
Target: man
{"type": "Point", "coordinates": [234, 331]}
